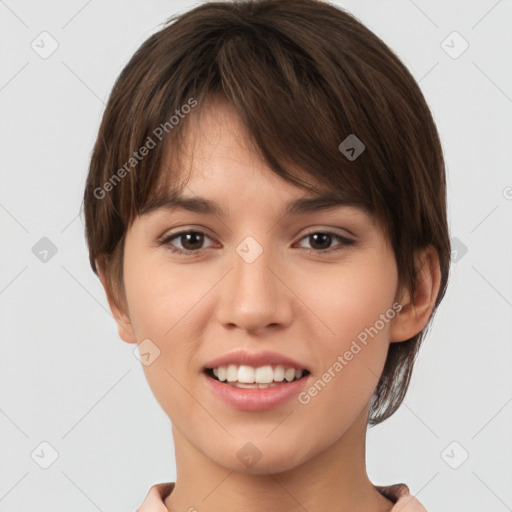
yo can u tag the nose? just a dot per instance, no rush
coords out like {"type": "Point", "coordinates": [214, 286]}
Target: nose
{"type": "Point", "coordinates": [254, 295]}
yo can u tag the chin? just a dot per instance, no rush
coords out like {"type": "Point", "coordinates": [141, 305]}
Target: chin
{"type": "Point", "coordinates": [261, 457]}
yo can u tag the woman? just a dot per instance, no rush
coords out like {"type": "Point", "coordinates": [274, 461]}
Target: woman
{"type": "Point", "coordinates": [266, 210]}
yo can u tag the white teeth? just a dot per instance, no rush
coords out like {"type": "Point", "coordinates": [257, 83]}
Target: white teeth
{"type": "Point", "coordinates": [246, 374]}
{"type": "Point", "coordinates": [263, 376]}
{"type": "Point", "coordinates": [289, 374]}
{"type": "Point", "coordinates": [222, 373]}
{"type": "Point", "coordinates": [252, 386]}
{"type": "Point", "coordinates": [232, 373]}
{"type": "Point", "coordinates": [246, 386]}
{"type": "Point", "coordinates": [279, 373]}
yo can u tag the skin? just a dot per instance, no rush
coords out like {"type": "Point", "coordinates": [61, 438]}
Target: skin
{"type": "Point", "coordinates": [292, 299]}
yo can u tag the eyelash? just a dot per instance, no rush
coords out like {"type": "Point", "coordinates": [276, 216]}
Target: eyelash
{"type": "Point", "coordinates": [344, 242]}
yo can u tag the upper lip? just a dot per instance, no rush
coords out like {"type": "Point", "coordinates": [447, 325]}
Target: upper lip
{"type": "Point", "coordinates": [255, 359]}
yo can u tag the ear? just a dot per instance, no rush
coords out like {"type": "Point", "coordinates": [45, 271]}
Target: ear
{"type": "Point", "coordinates": [124, 326]}
{"type": "Point", "coordinates": [416, 310]}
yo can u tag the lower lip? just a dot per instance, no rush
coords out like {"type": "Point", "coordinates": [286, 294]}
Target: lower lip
{"type": "Point", "coordinates": [255, 399]}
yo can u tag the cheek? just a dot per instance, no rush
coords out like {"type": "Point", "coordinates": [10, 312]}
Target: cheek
{"type": "Point", "coordinates": [159, 301]}
{"type": "Point", "coordinates": [354, 299]}
{"type": "Point", "coordinates": [355, 305]}
{"type": "Point", "coordinates": [163, 308]}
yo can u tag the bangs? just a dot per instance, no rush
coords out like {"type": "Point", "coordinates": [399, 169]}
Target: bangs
{"type": "Point", "coordinates": [296, 110]}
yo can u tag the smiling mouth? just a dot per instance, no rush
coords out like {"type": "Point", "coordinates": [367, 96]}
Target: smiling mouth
{"type": "Point", "coordinates": [273, 377]}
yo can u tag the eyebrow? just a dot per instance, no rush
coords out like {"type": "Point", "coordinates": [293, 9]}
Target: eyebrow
{"type": "Point", "coordinates": [209, 207]}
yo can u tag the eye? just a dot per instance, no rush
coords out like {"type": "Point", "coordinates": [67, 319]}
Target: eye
{"type": "Point", "coordinates": [321, 241]}
{"type": "Point", "coordinates": [191, 241]}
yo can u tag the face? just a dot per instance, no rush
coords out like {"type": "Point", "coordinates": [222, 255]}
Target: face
{"type": "Point", "coordinates": [319, 287]}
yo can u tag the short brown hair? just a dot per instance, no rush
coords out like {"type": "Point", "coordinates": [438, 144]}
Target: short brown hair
{"type": "Point", "coordinates": [303, 75]}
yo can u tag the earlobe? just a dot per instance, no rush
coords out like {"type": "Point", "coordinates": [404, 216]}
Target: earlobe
{"type": "Point", "coordinates": [124, 326]}
{"type": "Point", "coordinates": [125, 329]}
{"type": "Point", "coordinates": [417, 310]}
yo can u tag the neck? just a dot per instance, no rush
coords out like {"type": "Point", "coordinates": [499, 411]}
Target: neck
{"type": "Point", "coordinates": [333, 479]}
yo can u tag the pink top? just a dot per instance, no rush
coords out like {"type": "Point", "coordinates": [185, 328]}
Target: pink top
{"type": "Point", "coordinates": [399, 494]}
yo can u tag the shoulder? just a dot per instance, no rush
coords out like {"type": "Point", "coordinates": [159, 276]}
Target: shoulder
{"type": "Point", "coordinates": [399, 494]}
{"type": "Point", "coordinates": [402, 498]}
{"type": "Point", "coordinates": [154, 500]}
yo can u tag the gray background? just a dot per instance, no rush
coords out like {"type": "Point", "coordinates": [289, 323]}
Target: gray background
{"type": "Point", "coordinates": [68, 380]}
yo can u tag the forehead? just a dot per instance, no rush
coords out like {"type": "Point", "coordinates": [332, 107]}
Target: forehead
{"type": "Point", "coordinates": [212, 132]}
{"type": "Point", "coordinates": [216, 154]}
{"type": "Point", "coordinates": [213, 150]}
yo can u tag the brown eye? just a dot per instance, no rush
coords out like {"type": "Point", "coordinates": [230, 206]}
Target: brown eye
{"type": "Point", "coordinates": [190, 241]}
{"type": "Point", "coordinates": [320, 241]}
